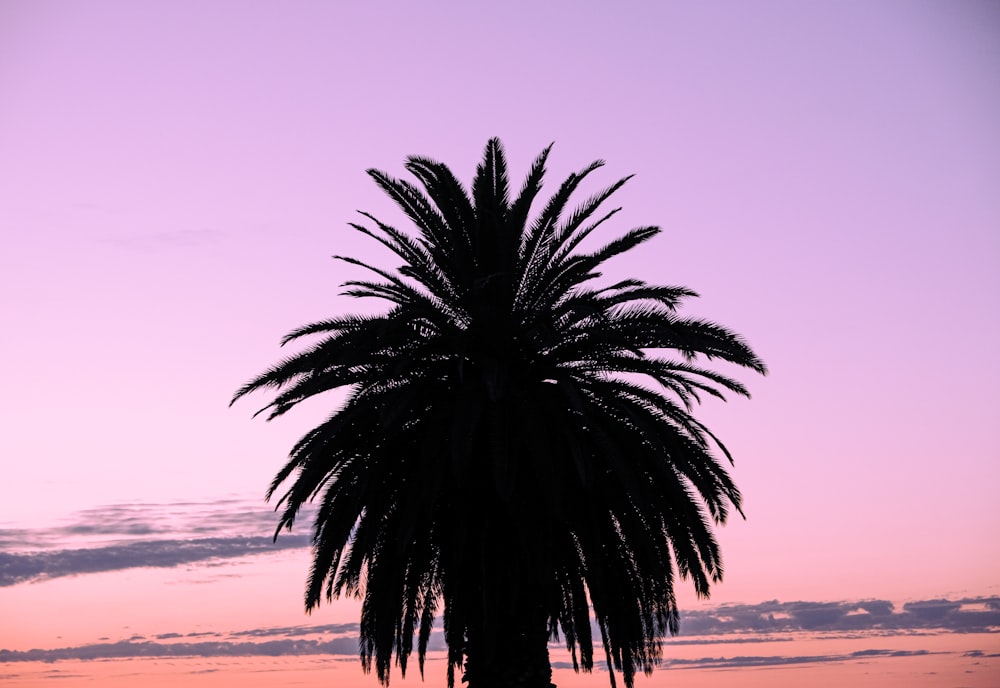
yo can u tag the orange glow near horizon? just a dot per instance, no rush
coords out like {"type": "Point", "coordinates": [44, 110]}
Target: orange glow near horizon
{"type": "Point", "coordinates": [945, 664]}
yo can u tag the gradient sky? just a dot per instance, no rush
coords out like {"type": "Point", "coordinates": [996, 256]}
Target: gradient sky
{"type": "Point", "coordinates": [174, 177]}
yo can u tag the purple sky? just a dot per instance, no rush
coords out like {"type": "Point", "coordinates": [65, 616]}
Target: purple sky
{"type": "Point", "coordinates": [175, 175]}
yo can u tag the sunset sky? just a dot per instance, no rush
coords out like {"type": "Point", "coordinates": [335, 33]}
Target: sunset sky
{"type": "Point", "coordinates": [174, 177]}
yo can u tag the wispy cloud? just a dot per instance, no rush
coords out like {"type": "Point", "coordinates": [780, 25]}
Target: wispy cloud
{"type": "Point", "coordinates": [181, 238]}
{"type": "Point", "coordinates": [749, 661]}
{"type": "Point", "coordinates": [320, 639]}
{"type": "Point", "coordinates": [785, 660]}
{"type": "Point", "coordinates": [132, 649]}
{"type": "Point", "coordinates": [294, 631]}
{"type": "Point", "coordinates": [147, 648]}
{"type": "Point", "coordinates": [124, 536]}
{"type": "Point", "coordinates": [229, 515]}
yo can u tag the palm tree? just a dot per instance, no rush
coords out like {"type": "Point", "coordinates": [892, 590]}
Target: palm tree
{"type": "Point", "coordinates": [517, 449]}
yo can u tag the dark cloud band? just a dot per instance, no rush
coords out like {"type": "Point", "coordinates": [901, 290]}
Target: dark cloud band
{"type": "Point", "coordinates": [972, 615]}
{"type": "Point", "coordinates": [33, 566]}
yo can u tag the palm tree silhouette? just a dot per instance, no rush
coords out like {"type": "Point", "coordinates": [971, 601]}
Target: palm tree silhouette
{"type": "Point", "coordinates": [517, 450]}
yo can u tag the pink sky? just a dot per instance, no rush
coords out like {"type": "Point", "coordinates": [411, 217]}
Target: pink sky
{"type": "Point", "coordinates": [175, 175]}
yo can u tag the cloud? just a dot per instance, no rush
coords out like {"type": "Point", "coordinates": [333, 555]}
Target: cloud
{"type": "Point", "coordinates": [14, 537]}
{"type": "Point", "coordinates": [131, 535]}
{"type": "Point", "coordinates": [932, 610]}
{"type": "Point", "coordinates": [341, 639]}
{"type": "Point", "coordinates": [125, 536]}
{"type": "Point", "coordinates": [785, 660]}
{"type": "Point", "coordinates": [327, 639]}
{"type": "Point", "coordinates": [20, 568]}
{"type": "Point", "coordinates": [133, 649]}
{"type": "Point", "coordinates": [980, 653]}
{"type": "Point", "coordinates": [964, 615]}
{"type": "Point", "coordinates": [224, 516]}
{"type": "Point", "coordinates": [298, 630]}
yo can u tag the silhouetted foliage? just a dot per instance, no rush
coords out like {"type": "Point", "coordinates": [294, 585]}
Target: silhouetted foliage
{"type": "Point", "coordinates": [517, 450]}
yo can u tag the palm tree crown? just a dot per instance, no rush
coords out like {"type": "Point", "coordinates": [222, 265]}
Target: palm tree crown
{"type": "Point", "coordinates": [517, 450]}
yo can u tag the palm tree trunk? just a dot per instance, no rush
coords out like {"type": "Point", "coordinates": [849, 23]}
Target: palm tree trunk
{"type": "Point", "coordinates": [507, 634]}
{"type": "Point", "coordinates": [507, 646]}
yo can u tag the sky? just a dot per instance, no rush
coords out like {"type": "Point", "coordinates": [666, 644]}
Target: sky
{"type": "Point", "coordinates": [175, 176]}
